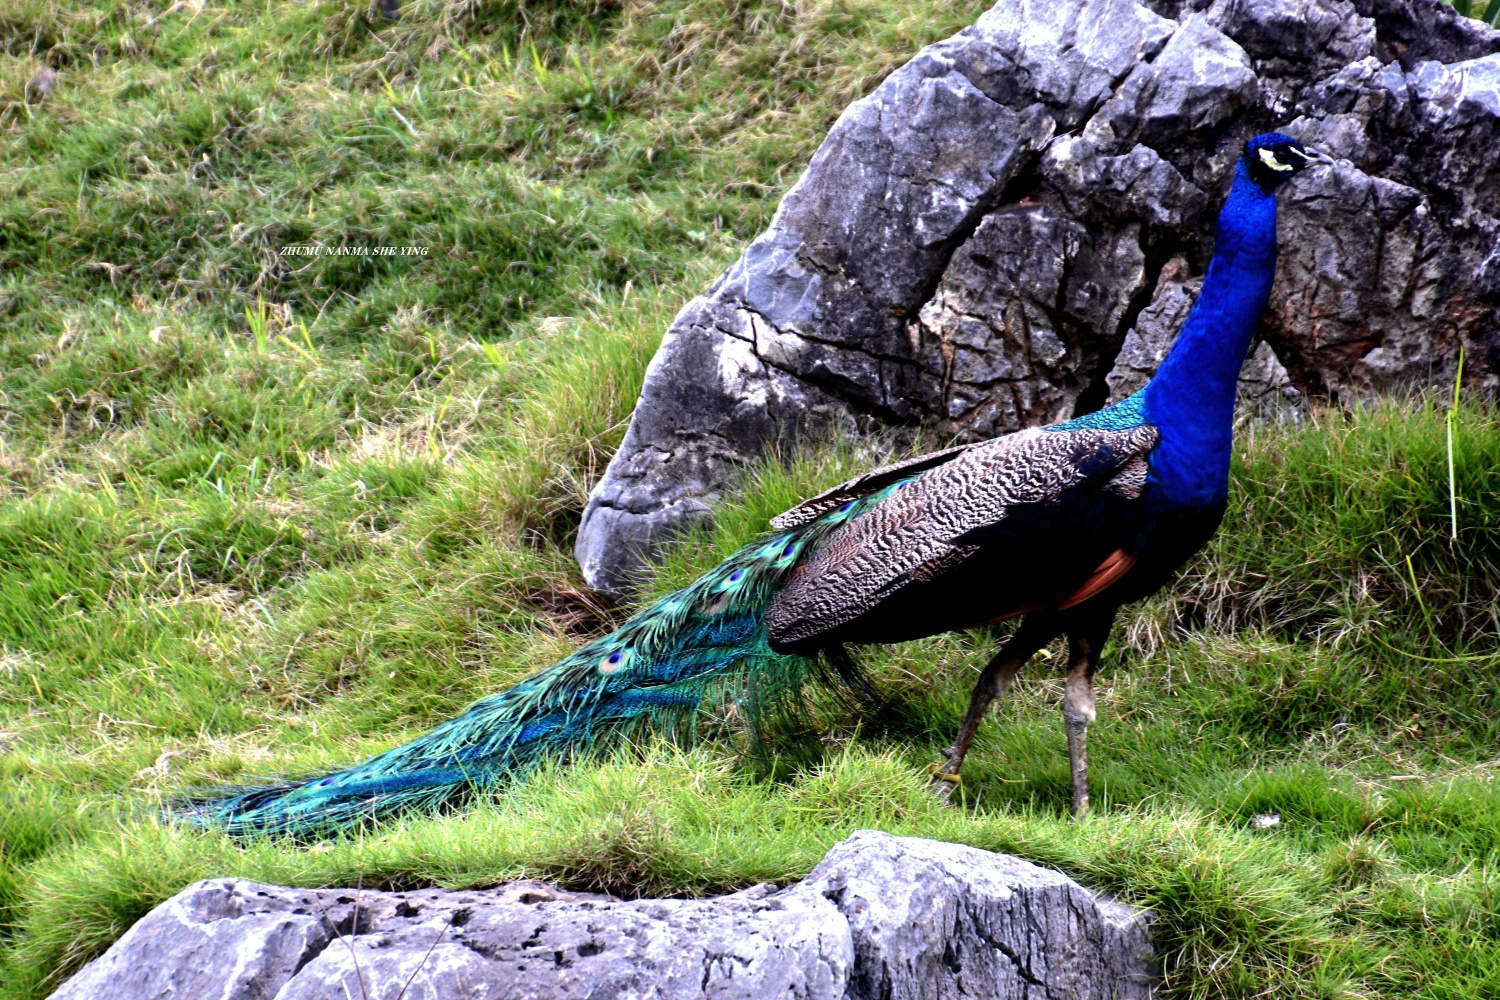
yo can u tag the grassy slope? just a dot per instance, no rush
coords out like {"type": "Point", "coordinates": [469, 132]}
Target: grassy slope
{"type": "Point", "coordinates": [260, 515]}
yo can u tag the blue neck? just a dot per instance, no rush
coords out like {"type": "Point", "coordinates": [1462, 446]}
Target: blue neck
{"type": "Point", "coordinates": [1191, 398]}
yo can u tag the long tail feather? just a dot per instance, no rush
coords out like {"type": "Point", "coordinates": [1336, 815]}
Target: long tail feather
{"type": "Point", "coordinates": [655, 670]}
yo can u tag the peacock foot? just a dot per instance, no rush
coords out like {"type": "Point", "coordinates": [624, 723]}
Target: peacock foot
{"type": "Point", "coordinates": [943, 781]}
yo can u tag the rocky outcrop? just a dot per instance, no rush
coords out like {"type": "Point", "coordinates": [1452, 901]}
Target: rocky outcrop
{"type": "Point", "coordinates": [893, 918]}
{"type": "Point", "coordinates": [977, 239]}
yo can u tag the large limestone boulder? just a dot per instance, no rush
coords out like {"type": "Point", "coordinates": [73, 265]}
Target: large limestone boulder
{"type": "Point", "coordinates": [881, 918]}
{"type": "Point", "coordinates": [977, 239]}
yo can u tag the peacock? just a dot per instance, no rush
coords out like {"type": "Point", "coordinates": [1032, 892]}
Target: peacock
{"type": "Point", "coordinates": [1058, 525]}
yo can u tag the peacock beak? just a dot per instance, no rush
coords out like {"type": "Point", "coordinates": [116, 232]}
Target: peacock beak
{"type": "Point", "coordinates": [1311, 155]}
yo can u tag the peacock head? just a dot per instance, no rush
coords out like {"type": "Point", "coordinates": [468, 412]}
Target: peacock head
{"type": "Point", "coordinates": [1274, 158]}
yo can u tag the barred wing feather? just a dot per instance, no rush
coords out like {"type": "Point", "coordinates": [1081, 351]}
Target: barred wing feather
{"type": "Point", "coordinates": [930, 526]}
{"type": "Point", "coordinates": [862, 486]}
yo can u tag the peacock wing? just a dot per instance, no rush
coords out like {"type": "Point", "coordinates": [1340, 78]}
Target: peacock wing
{"type": "Point", "coordinates": [859, 486]}
{"type": "Point", "coordinates": [929, 527]}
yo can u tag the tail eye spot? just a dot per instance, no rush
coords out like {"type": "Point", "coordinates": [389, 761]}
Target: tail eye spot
{"type": "Point", "coordinates": [736, 575]}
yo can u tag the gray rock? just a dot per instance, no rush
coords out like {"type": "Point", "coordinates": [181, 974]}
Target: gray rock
{"type": "Point", "coordinates": [1296, 42]}
{"type": "Point", "coordinates": [1199, 80]}
{"type": "Point", "coordinates": [1009, 334]}
{"type": "Point", "coordinates": [881, 917]}
{"type": "Point", "coordinates": [1138, 184]}
{"type": "Point", "coordinates": [979, 239]}
{"type": "Point", "coordinates": [936, 921]}
{"type": "Point", "coordinates": [1414, 31]}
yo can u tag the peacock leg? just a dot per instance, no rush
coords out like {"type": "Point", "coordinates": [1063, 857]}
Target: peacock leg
{"type": "Point", "coordinates": [1084, 646]}
{"type": "Point", "coordinates": [1034, 633]}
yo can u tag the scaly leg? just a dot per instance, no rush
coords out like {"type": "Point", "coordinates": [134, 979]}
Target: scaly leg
{"type": "Point", "coordinates": [1034, 633]}
{"type": "Point", "coordinates": [1085, 643]}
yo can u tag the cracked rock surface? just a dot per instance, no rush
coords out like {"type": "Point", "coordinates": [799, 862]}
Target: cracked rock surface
{"type": "Point", "coordinates": [882, 917]}
{"type": "Point", "coordinates": [978, 239]}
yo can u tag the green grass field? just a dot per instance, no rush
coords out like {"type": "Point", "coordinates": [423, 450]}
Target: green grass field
{"type": "Point", "coordinates": [266, 515]}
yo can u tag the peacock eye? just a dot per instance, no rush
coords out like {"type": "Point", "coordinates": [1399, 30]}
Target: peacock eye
{"type": "Point", "coordinates": [736, 575]}
{"type": "Point", "coordinates": [788, 550]}
{"type": "Point", "coordinates": [614, 661]}
{"type": "Point", "coordinates": [847, 506]}
{"type": "Point", "coordinates": [1268, 157]}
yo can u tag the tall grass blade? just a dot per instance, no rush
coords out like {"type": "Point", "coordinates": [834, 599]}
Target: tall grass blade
{"type": "Point", "coordinates": [259, 321]}
{"type": "Point", "coordinates": [493, 354]}
{"type": "Point", "coordinates": [1452, 420]}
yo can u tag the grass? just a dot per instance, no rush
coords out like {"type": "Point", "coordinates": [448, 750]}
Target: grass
{"type": "Point", "coordinates": [262, 514]}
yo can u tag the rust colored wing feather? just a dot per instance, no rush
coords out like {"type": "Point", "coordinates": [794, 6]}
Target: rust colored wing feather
{"type": "Point", "coordinates": [1111, 569]}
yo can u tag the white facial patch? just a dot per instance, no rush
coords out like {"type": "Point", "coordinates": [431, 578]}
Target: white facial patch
{"type": "Point", "coordinates": [1269, 159]}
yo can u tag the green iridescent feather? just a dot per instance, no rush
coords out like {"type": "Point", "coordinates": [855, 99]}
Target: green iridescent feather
{"type": "Point", "coordinates": [701, 645]}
